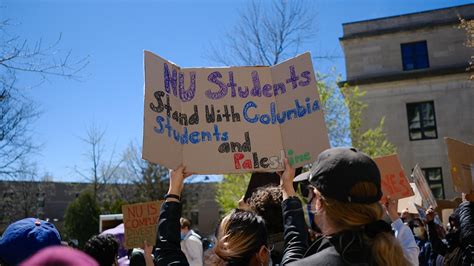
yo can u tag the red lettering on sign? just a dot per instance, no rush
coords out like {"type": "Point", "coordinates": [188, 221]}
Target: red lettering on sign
{"type": "Point", "coordinates": [237, 158]}
{"type": "Point", "coordinates": [135, 212]}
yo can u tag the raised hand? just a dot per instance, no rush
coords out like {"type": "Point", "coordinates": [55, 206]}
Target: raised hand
{"type": "Point", "coordinates": [177, 177]}
{"type": "Point", "coordinates": [286, 180]}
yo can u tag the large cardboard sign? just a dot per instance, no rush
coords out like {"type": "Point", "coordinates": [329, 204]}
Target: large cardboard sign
{"type": "Point", "coordinates": [232, 119]}
{"type": "Point", "coordinates": [424, 189]}
{"type": "Point", "coordinates": [140, 223]}
{"type": "Point", "coordinates": [461, 159]}
{"type": "Point", "coordinates": [394, 182]}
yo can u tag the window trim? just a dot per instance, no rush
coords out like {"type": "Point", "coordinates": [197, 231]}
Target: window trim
{"type": "Point", "coordinates": [414, 56]}
{"type": "Point", "coordinates": [423, 137]}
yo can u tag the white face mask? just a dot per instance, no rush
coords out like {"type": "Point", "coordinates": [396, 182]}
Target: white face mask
{"type": "Point", "coordinates": [419, 232]}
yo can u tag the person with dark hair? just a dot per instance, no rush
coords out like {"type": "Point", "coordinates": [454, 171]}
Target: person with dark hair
{"type": "Point", "coordinates": [242, 237]}
{"type": "Point", "coordinates": [347, 188]}
{"type": "Point", "coordinates": [103, 248]}
{"type": "Point", "coordinates": [465, 212]}
{"type": "Point", "coordinates": [266, 202]}
{"type": "Point", "coordinates": [459, 246]}
{"type": "Point", "coordinates": [426, 256]}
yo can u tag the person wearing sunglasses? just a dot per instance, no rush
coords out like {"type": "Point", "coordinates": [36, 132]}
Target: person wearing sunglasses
{"type": "Point", "coordinates": [347, 188]}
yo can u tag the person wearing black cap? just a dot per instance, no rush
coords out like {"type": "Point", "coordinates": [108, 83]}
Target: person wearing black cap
{"type": "Point", "coordinates": [346, 189]}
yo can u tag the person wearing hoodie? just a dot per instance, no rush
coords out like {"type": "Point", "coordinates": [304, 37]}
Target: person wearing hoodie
{"type": "Point", "coordinates": [347, 188]}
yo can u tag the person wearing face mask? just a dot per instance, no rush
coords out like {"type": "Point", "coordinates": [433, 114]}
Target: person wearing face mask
{"type": "Point", "coordinates": [191, 243]}
{"type": "Point", "coordinates": [347, 188]}
{"type": "Point", "coordinates": [427, 255]}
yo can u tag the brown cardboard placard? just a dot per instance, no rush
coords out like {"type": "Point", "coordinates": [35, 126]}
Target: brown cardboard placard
{"type": "Point", "coordinates": [394, 182]}
{"type": "Point", "coordinates": [461, 160]}
{"type": "Point", "coordinates": [424, 189]}
{"type": "Point", "coordinates": [140, 223]}
{"type": "Point", "coordinates": [409, 203]}
{"type": "Point", "coordinates": [445, 213]}
{"type": "Point", "coordinates": [232, 119]}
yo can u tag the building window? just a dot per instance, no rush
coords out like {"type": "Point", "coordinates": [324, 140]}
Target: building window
{"type": "Point", "coordinates": [421, 120]}
{"type": "Point", "coordinates": [434, 176]}
{"type": "Point", "coordinates": [414, 55]}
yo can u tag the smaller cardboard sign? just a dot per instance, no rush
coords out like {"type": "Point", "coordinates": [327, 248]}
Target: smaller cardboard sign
{"type": "Point", "coordinates": [445, 213]}
{"type": "Point", "coordinates": [424, 188]}
{"type": "Point", "coordinates": [461, 159]}
{"type": "Point", "coordinates": [394, 182]}
{"type": "Point", "coordinates": [409, 203]}
{"type": "Point", "coordinates": [140, 223]}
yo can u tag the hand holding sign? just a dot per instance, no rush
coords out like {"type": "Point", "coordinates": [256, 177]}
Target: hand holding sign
{"type": "Point", "coordinates": [177, 180]}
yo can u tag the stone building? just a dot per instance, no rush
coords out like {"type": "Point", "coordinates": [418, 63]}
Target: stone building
{"type": "Point", "coordinates": [49, 200]}
{"type": "Point", "coordinates": [413, 68]}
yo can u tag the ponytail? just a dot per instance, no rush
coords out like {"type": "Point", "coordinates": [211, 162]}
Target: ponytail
{"type": "Point", "coordinates": [240, 236]}
{"type": "Point", "coordinates": [385, 248]}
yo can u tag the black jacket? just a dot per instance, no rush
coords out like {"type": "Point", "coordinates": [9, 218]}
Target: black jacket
{"type": "Point", "coordinates": [168, 248]}
{"type": "Point", "coordinates": [465, 212]}
{"type": "Point", "coordinates": [344, 248]}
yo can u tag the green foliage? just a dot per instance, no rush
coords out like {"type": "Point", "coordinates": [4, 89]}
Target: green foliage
{"type": "Point", "coordinates": [230, 190]}
{"type": "Point", "coordinates": [113, 207]}
{"type": "Point", "coordinates": [372, 141]}
{"type": "Point", "coordinates": [82, 218]}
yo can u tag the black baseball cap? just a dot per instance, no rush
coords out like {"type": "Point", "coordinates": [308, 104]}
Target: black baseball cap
{"type": "Point", "coordinates": [337, 170]}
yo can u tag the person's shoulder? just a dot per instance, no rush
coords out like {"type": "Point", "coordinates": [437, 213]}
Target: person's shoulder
{"type": "Point", "coordinates": [327, 256]}
{"type": "Point", "coordinates": [194, 236]}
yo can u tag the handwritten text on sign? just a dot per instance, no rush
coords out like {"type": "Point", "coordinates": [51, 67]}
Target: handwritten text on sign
{"type": "Point", "coordinates": [140, 223]}
{"type": "Point", "coordinates": [394, 182]}
{"type": "Point", "coordinates": [233, 119]}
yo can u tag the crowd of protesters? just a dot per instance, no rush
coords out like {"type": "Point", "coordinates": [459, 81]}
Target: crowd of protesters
{"type": "Point", "coordinates": [335, 218]}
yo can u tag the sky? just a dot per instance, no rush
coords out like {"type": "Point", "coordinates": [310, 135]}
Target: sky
{"type": "Point", "coordinates": [112, 36]}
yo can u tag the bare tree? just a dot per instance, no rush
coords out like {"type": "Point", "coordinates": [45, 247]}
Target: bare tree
{"type": "Point", "coordinates": [102, 170]}
{"type": "Point", "coordinates": [266, 35]}
{"type": "Point", "coordinates": [149, 179]}
{"type": "Point", "coordinates": [24, 195]}
{"type": "Point", "coordinates": [17, 112]}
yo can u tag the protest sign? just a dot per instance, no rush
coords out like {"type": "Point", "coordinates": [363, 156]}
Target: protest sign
{"type": "Point", "coordinates": [140, 223]}
{"type": "Point", "coordinates": [232, 119]}
{"type": "Point", "coordinates": [423, 188]}
{"type": "Point", "coordinates": [445, 213]}
{"type": "Point", "coordinates": [394, 182]}
{"type": "Point", "coordinates": [421, 212]}
{"type": "Point", "coordinates": [409, 202]}
{"type": "Point", "coordinates": [461, 159]}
